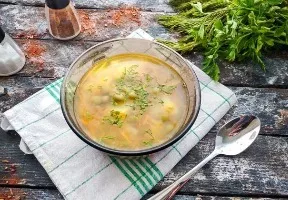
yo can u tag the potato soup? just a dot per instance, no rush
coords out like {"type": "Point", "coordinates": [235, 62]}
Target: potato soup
{"type": "Point", "coordinates": [131, 102]}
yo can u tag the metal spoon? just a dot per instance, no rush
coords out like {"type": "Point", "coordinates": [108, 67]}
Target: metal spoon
{"type": "Point", "coordinates": [232, 138]}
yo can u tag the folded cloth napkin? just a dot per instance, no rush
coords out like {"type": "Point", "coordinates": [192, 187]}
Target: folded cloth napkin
{"type": "Point", "coordinates": [82, 172]}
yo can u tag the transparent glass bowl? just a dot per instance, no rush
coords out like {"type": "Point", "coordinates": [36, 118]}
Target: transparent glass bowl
{"type": "Point", "coordinates": [121, 46]}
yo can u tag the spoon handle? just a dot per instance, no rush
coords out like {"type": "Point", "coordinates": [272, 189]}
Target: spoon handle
{"type": "Point", "coordinates": [169, 192]}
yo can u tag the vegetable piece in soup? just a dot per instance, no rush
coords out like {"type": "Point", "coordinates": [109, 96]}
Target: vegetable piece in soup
{"type": "Point", "coordinates": [131, 102]}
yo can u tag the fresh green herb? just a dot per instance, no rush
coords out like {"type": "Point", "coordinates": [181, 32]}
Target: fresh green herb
{"type": "Point", "coordinates": [99, 87]}
{"type": "Point", "coordinates": [88, 116]}
{"type": "Point", "coordinates": [148, 78]}
{"type": "Point", "coordinates": [105, 138]}
{"type": "Point", "coordinates": [106, 79]}
{"type": "Point", "coordinates": [130, 82]}
{"type": "Point", "coordinates": [115, 118]}
{"type": "Point", "coordinates": [90, 88]}
{"type": "Point", "coordinates": [231, 30]}
{"type": "Point", "coordinates": [167, 89]}
{"type": "Point", "coordinates": [108, 137]}
{"type": "Point", "coordinates": [141, 101]}
{"type": "Point", "coordinates": [159, 100]}
{"type": "Point", "coordinates": [149, 132]}
{"type": "Point", "coordinates": [133, 90]}
{"type": "Point", "coordinates": [148, 143]}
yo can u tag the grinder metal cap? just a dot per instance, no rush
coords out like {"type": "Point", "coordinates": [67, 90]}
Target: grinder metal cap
{"type": "Point", "coordinates": [2, 35]}
{"type": "Point", "coordinates": [57, 4]}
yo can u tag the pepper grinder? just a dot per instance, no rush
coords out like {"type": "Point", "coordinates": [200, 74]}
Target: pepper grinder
{"type": "Point", "coordinates": [63, 20]}
{"type": "Point", "coordinates": [12, 59]}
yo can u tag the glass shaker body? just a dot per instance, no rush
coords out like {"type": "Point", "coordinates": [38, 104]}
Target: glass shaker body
{"type": "Point", "coordinates": [12, 59]}
{"type": "Point", "coordinates": [63, 20]}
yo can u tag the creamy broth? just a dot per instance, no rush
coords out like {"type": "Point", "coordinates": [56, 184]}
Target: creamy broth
{"type": "Point", "coordinates": [131, 102]}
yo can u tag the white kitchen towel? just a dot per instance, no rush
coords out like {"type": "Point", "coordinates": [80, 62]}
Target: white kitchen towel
{"type": "Point", "coordinates": [82, 172]}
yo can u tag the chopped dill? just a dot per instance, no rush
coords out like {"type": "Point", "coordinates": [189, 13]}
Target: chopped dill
{"type": "Point", "coordinates": [105, 138]}
{"type": "Point", "coordinates": [88, 116]}
{"type": "Point", "coordinates": [148, 143]}
{"type": "Point", "coordinates": [161, 101]}
{"type": "Point", "coordinates": [133, 89]}
{"type": "Point", "coordinates": [149, 132]}
{"type": "Point", "coordinates": [130, 82]}
{"type": "Point", "coordinates": [148, 78]}
{"type": "Point", "coordinates": [141, 101]}
{"type": "Point", "coordinates": [167, 89]}
{"type": "Point", "coordinates": [90, 88]}
{"type": "Point", "coordinates": [115, 118]}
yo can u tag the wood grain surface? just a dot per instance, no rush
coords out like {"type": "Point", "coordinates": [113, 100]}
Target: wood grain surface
{"type": "Point", "coordinates": [44, 194]}
{"type": "Point", "coordinates": [52, 194]}
{"type": "Point", "coordinates": [147, 5]}
{"type": "Point", "coordinates": [258, 173]}
{"type": "Point", "coordinates": [59, 55]}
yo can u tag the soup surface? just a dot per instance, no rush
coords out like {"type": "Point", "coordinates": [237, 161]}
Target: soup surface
{"type": "Point", "coordinates": [131, 102]}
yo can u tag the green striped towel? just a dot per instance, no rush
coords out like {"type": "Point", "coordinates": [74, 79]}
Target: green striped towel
{"type": "Point", "coordinates": [82, 172]}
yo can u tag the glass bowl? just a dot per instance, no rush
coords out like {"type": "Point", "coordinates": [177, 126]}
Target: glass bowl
{"type": "Point", "coordinates": [121, 46]}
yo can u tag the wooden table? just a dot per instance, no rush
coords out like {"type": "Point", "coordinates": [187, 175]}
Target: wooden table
{"type": "Point", "coordinates": [261, 171]}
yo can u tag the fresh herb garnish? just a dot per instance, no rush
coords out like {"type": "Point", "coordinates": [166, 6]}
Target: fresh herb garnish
{"type": "Point", "coordinates": [148, 143]}
{"type": "Point", "coordinates": [231, 30]}
{"type": "Point", "coordinates": [148, 78]}
{"type": "Point", "coordinates": [115, 118]}
{"type": "Point", "coordinates": [88, 116]}
{"type": "Point", "coordinates": [105, 138]}
{"type": "Point", "coordinates": [167, 89]}
{"type": "Point", "coordinates": [141, 101]}
{"type": "Point", "coordinates": [90, 88]}
{"type": "Point", "coordinates": [130, 83]}
{"type": "Point", "coordinates": [108, 137]}
{"type": "Point", "coordinates": [149, 132]}
{"type": "Point", "coordinates": [133, 90]}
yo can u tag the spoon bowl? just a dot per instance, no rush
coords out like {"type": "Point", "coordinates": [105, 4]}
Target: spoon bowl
{"type": "Point", "coordinates": [237, 135]}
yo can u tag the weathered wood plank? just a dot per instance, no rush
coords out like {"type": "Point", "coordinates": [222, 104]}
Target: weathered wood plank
{"type": "Point", "coordinates": [52, 194]}
{"type": "Point", "coordinates": [148, 5]}
{"type": "Point", "coordinates": [15, 82]}
{"type": "Point", "coordinates": [248, 74]}
{"type": "Point", "coordinates": [28, 171]}
{"type": "Point", "coordinates": [17, 21]}
{"type": "Point", "coordinates": [260, 170]}
{"type": "Point", "coordinates": [270, 105]}
{"type": "Point", "coordinates": [29, 194]}
{"type": "Point", "coordinates": [260, 166]}
{"type": "Point", "coordinates": [59, 55]}
{"type": "Point", "coordinates": [204, 197]}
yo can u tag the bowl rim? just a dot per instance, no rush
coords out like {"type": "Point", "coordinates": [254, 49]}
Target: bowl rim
{"type": "Point", "coordinates": [136, 152]}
